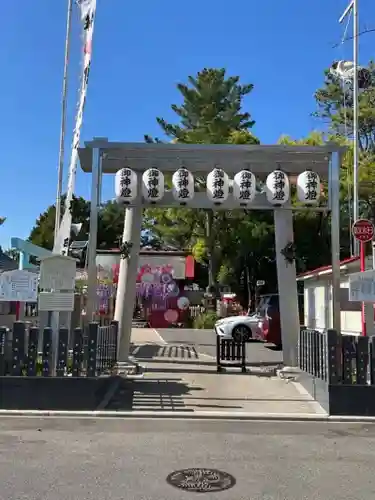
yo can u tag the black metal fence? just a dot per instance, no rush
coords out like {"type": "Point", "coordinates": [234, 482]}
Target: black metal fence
{"type": "Point", "coordinates": [94, 351]}
{"type": "Point", "coordinates": [230, 354]}
{"type": "Point", "coordinates": [342, 368]}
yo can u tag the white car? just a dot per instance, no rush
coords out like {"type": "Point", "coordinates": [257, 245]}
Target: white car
{"type": "Point", "coordinates": [239, 327]}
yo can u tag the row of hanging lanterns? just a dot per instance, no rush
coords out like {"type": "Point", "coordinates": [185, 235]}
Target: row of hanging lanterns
{"type": "Point", "coordinates": [277, 186]}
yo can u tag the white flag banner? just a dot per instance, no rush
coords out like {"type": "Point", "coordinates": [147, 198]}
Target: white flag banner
{"type": "Point", "coordinates": [88, 10]}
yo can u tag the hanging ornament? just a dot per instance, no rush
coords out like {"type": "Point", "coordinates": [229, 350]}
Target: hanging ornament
{"type": "Point", "coordinates": [125, 186]}
{"type": "Point", "coordinates": [308, 187]}
{"type": "Point", "coordinates": [277, 187]}
{"type": "Point", "coordinates": [183, 185]}
{"type": "Point", "coordinates": [244, 187]}
{"type": "Point", "coordinates": [153, 185]}
{"type": "Point", "coordinates": [217, 186]}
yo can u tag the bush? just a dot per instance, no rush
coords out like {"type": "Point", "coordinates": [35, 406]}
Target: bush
{"type": "Point", "coordinates": [205, 320]}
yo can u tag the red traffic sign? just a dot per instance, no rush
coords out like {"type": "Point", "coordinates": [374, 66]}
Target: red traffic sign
{"type": "Point", "coordinates": [363, 230]}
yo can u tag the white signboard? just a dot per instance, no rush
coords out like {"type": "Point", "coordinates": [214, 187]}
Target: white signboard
{"type": "Point", "coordinates": [362, 286]}
{"type": "Point", "coordinates": [55, 301]}
{"type": "Point", "coordinates": [57, 273]}
{"type": "Point", "coordinates": [18, 286]}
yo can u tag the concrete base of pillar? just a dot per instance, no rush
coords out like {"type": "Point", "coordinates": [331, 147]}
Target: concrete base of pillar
{"type": "Point", "coordinates": [129, 368]}
{"type": "Point", "coordinates": [289, 372]}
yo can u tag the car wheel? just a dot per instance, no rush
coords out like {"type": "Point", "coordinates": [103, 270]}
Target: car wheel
{"type": "Point", "coordinates": [241, 333]}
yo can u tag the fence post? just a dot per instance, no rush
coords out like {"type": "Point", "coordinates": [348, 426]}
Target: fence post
{"type": "Point", "coordinates": [114, 326]}
{"type": "Point", "coordinates": [243, 360]}
{"type": "Point", "coordinates": [218, 353]}
{"type": "Point", "coordinates": [3, 350]}
{"type": "Point", "coordinates": [300, 346]}
{"type": "Point", "coordinates": [18, 348]}
{"type": "Point", "coordinates": [334, 362]}
{"type": "Point", "coordinates": [47, 353]}
{"type": "Point", "coordinates": [372, 360]}
{"type": "Point", "coordinates": [347, 356]}
{"type": "Point", "coordinates": [77, 352]}
{"type": "Point", "coordinates": [3, 342]}
{"type": "Point", "coordinates": [362, 360]}
{"type": "Point", "coordinates": [62, 353]}
{"type": "Point", "coordinates": [32, 352]}
{"type": "Point", "coordinates": [92, 349]}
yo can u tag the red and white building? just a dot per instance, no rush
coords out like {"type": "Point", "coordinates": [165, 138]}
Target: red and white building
{"type": "Point", "coordinates": [318, 297]}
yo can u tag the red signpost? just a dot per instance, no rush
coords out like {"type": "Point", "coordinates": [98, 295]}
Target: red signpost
{"type": "Point", "coordinates": [363, 231]}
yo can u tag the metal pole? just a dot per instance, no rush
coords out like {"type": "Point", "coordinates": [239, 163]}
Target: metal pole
{"type": "Point", "coordinates": [355, 120]}
{"type": "Point", "coordinates": [334, 204]}
{"type": "Point", "coordinates": [126, 289]}
{"type": "Point", "coordinates": [63, 118]}
{"type": "Point", "coordinates": [93, 235]}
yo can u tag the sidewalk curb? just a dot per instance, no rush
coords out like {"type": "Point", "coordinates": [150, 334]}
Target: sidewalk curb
{"type": "Point", "coordinates": [102, 414]}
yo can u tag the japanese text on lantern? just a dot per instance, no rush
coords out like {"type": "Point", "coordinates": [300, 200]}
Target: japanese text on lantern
{"type": "Point", "coordinates": [311, 186]}
{"type": "Point", "coordinates": [125, 183]}
{"type": "Point", "coordinates": [246, 185]}
{"type": "Point", "coordinates": [279, 185]}
{"type": "Point", "coordinates": [183, 183]}
{"type": "Point", "coordinates": [218, 184]}
{"type": "Point", "coordinates": [153, 183]}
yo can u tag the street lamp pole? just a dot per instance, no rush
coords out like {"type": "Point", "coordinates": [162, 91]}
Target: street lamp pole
{"type": "Point", "coordinates": [353, 7]}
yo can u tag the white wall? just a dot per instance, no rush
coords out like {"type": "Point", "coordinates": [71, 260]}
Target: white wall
{"type": "Point", "coordinates": [318, 306]}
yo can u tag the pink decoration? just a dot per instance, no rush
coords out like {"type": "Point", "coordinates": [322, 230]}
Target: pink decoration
{"type": "Point", "coordinates": [171, 316]}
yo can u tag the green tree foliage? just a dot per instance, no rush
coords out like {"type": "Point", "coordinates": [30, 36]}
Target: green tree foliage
{"type": "Point", "coordinates": [335, 107]}
{"type": "Point", "coordinates": [42, 234]}
{"type": "Point", "coordinates": [110, 224]}
{"type": "Point", "coordinates": [210, 113]}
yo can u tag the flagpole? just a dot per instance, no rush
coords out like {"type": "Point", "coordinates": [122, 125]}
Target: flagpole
{"type": "Point", "coordinates": [60, 170]}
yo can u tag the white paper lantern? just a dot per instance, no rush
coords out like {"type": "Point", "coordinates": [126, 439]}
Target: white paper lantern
{"type": "Point", "coordinates": [277, 187]}
{"type": "Point", "coordinates": [183, 185]}
{"type": "Point", "coordinates": [308, 187]}
{"type": "Point", "coordinates": [244, 187]}
{"type": "Point", "coordinates": [217, 186]}
{"type": "Point", "coordinates": [153, 185]}
{"type": "Point", "coordinates": [125, 185]}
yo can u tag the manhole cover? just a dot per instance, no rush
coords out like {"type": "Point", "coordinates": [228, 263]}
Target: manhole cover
{"type": "Point", "coordinates": [201, 480]}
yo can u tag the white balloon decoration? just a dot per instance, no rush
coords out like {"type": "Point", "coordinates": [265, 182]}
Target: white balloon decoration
{"type": "Point", "coordinates": [277, 187]}
{"type": "Point", "coordinates": [125, 185]}
{"type": "Point", "coordinates": [183, 303]}
{"type": "Point", "coordinates": [217, 186]}
{"type": "Point", "coordinates": [244, 187]}
{"type": "Point", "coordinates": [308, 187]}
{"type": "Point", "coordinates": [153, 185]}
{"type": "Point", "coordinates": [183, 185]}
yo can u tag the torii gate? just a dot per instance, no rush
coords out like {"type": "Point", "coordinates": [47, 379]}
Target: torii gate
{"type": "Point", "coordinates": [100, 156]}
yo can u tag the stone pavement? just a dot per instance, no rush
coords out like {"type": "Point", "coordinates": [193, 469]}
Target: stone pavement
{"type": "Point", "coordinates": [179, 378]}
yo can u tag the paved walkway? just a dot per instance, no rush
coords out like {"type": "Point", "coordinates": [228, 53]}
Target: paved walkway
{"type": "Point", "coordinates": [180, 378]}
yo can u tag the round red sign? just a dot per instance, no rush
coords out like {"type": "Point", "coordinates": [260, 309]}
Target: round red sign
{"type": "Point", "coordinates": [363, 230]}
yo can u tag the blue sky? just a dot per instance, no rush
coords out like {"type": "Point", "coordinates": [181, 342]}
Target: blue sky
{"type": "Point", "coordinates": [141, 50]}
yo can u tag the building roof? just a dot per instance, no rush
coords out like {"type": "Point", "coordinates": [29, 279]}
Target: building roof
{"type": "Point", "coordinates": [7, 263]}
{"type": "Point", "coordinates": [326, 269]}
{"type": "Point", "coordinates": [203, 157]}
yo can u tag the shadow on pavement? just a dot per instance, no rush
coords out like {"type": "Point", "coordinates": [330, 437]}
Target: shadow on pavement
{"type": "Point", "coordinates": [149, 351]}
{"type": "Point", "coordinates": [186, 369]}
{"type": "Point", "coordinates": [166, 395]}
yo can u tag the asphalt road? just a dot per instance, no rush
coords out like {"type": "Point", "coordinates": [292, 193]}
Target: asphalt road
{"type": "Point", "coordinates": [66, 459]}
{"type": "Point", "coordinates": [205, 343]}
